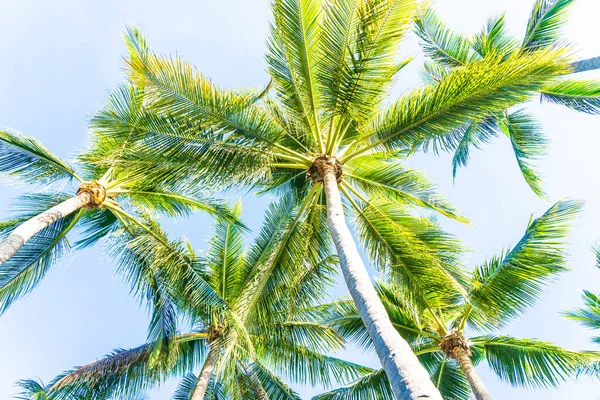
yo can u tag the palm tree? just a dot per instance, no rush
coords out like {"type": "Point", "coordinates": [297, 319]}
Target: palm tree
{"type": "Point", "coordinates": [107, 198]}
{"type": "Point", "coordinates": [322, 131]}
{"type": "Point", "coordinates": [447, 50]}
{"type": "Point", "coordinates": [237, 346]}
{"type": "Point", "coordinates": [500, 290]}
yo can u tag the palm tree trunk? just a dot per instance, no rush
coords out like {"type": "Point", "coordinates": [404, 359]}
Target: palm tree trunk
{"type": "Point", "coordinates": [27, 229]}
{"type": "Point", "coordinates": [467, 367]}
{"type": "Point", "coordinates": [586, 65]}
{"type": "Point", "coordinates": [207, 370]}
{"type": "Point", "coordinates": [408, 378]}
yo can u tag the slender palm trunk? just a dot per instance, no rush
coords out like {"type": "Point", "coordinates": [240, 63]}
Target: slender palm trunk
{"type": "Point", "coordinates": [207, 371]}
{"type": "Point", "coordinates": [27, 229]}
{"type": "Point", "coordinates": [586, 65]}
{"type": "Point", "coordinates": [408, 378]}
{"type": "Point", "coordinates": [467, 367]}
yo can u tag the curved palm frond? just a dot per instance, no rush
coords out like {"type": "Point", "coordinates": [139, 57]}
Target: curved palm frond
{"type": "Point", "coordinates": [579, 95]}
{"type": "Point", "coordinates": [25, 158]}
{"type": "Point", "coordinates": [545, 23]}
{"type": "Point", "coordinates": [508, 284]}
{"type": "Point", "coordinates": [589, 314]}
{"type": "Point", "coordinates": [373, 386]}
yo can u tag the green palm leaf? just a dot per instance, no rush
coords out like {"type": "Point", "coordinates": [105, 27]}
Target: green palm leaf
{"type": "Point", "coordinates": [589, 315]}
{"type": "Point", "coordinates": [474, 135]}
{"type": "Point", "coordinates": [466, 94]}
{"type": "Point", "coordinates": [447, 376]}
{"type": "Point", "coordinates": [581, 96]}
{"type": "Point", "coordinates": [508, 284]}
{"type": "Point", "coordinates": [528, 144]}
{"type": "Point", "coordinates": [440, 43]}
{"type": "Point", "coordinates": [25, 158]}
{"type": "Point", "coordinates": [494, 38]}
{"type": "Point", "coordinates": [373, 386]}
{"type": "Point", "coordinates": [545, 22]}
{"type": "Point", "coordinates": [530, 362]}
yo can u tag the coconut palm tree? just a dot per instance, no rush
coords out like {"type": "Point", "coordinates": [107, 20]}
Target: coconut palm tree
{"type": "Point", "coordinates": [107, 197]}
{"type": "Point", "coordinates": [238, 346]}
{"type": "Point", "coordinates": [447, 50]}
{"type": "Point", "coordinates": [500, 290]}
{"type": "Point", "coordinates": [323, 131]}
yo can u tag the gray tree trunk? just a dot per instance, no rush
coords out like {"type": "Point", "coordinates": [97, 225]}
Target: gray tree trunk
{"type": "Point", "coordinates": [27, 229]}
{"type": "Point", "coordinates": [207, 371]}
{"type": "Point", "coordinates": [586, 65]}
{"type": "Point", "coordinates": [408, 378]}
{"type": "Point", "coordinates": [467, 367]}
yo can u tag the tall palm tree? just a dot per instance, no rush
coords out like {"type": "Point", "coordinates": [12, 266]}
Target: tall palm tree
{"type": "Point", "coordinates": [447, 50]}
{"type": "Point", "coordinates": [323, 131]}
{"type": "Point", "coordinates": [500, 290]}
{"type": "Point", "coordinates": [238, 346]}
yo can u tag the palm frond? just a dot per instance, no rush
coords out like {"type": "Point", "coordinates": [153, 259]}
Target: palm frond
{"type": "Point", "coordinates": [440, 43]}
{"type": "Point", "coordinates": [545, 22]}
{"type": "Point", "coordinates": [373, 386]}
{"type": "Point", "coordinates": [126, 372]}
{"type": "Point", "coordinates": [530, 362]}
{"type": "Point", "coordinates": [26, 269]}
{"type": "Point", "coordinates": [32, 390]}
{"type": "Point", "coordinates": [446, 375]}
{"type": "Point", "coordinates": [475, 135]}
{"type": "Point", "coordinates": [186, 387]}
{"type": "Point", "coordinates": [494, 38]}
{"type": "Point", "coordinates": [528, 144]}
{"type": "Point", "coordinates": [415, 252]}
{"type": "Point", "coordinates": [24, 158]}
{"type": "Point", "coordinates": [466, 94]}
{"type": "Point", "coordinates": [579, 95]}
{"type": "Point", "coordinates": [508, 284]}
{"type": "Point", "coordinates": [386, 177]}
{"type": "Point", "coordinates": [360, 54]}
{"type": "Point", "coordinates": [95, 226]}
{"type": "Point", "coordinates": [589, 314]}
{"type": "Point", "coordinates": [274, 387]}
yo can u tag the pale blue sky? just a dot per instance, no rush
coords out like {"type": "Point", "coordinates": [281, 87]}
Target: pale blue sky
{"type": "Point", "coordinates": [59, 59]}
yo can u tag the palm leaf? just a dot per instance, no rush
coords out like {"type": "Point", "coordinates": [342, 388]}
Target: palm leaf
{"type": "Point", "coordinates": [475, 134]}
{"type": "Point", "coordinates": [440, 43]}
{"type": "Point", "coordinates": [545, 22]}
{"type": "Point", "coordinates": [447, 376]}
{"type": "Point", "coordinates": [508, 284]}
{"type": "Point", "coordinates": [25, 158]}
{"type": "Point", "coordinates": [466, 94]}
{"type": "Point", "coordinates": [589, 315]}
{"type": "Point", "coordinates": [528, 144]}
{"type": "Point", "coordinates": [494, 38]}
{"type": "Point", "coordinates": [530, 362]}
{"type": "Point", "coordinates": [581, 96]}
{"type": "Point", "coordinates": [32, 390]}
{"type": "Point", "coordinates": [373, 386]}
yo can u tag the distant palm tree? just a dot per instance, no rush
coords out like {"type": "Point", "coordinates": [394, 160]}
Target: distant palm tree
{"type": "Point", "coordinates": [107, 199]}
{"type": "Point", "coordinates": [322, 133]}
{"type": "Point", "coordinates": [447, 50]}
{"type": "Point", "coordinates": [236, 346]}
{"type": "Point", "coordinates": [500, 290]}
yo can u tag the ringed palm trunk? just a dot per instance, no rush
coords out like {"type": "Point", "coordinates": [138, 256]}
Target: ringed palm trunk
{"type": "Point", "coordinates": [407, 377]}
{"type": "Point", "coordinates": [207, 371]}
{"type": "Point", "coordinates": [467, 367]}
{"type": "Point", "coordinates": [22, 233]}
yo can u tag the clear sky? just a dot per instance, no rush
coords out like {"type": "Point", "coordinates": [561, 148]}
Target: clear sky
{"type": "Point", "coordinates": [59, 59]}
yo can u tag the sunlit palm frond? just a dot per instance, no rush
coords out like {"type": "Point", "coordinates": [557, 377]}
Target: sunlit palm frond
{"type": "Point", "coordinates": [95, 226]}
{"type": "Point", "coordinates": [510, 283]}
{"type": "Point", "coordinates": [373, 386]}
{"type": "Point", "coordinates": [446, 375]}
{"type": "Point", "coordinates": [589, 314]}
{"type": "Point", "coordinates": [545, 22]}
{"type": "Point", "coordinates": [530, 362]}
{"type": "Point", "coordinates": [494, 38]}
{"type": "Point", "coordinates": [528, 144]}
{"type": "Point", "coordinates": [473, 135]}
{"type": "Point", "coordinates": [415, 252]}
{"type": "Point", "coordinates": [274, 386]}
{"type": "Point", "coordinates": [24, 158]}
{"type": "Point", "coordinates": [25, 270]}
{"type": "Point", "coordinates": [126, 372]}
{"type": "Point", "coordinates": [582, 95]}
{"type": "Point", "coordinates": [466, 94]}
{"type": "Point", "coordinates": [382, 176]}
{"type": "Point", "coordinates": [440, 43]}
{"type": "Point", "coordinates": [32, 390]}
